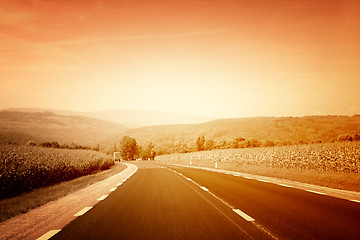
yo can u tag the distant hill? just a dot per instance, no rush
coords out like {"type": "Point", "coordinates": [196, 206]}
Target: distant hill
{"type": "Point", "coordinates": [282, 130]}
{"type": "Point", "coordinates": [21, 127]}
{"type": "Point", "coordinates": [130, 118]}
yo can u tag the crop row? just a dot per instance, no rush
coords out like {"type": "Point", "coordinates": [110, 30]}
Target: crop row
{"type": "Point", "coordinates": [23, 168]}
{"type": "Point", "coordinates": [332, 157]}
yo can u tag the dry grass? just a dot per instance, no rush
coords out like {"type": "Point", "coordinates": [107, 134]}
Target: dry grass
{"type": "Point", "coordinates": [335, 165]}
{"type": "Point", "coordinates": [27, 201]}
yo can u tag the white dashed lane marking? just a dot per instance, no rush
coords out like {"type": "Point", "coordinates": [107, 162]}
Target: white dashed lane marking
{"type": "Point", "coordinates": [355, 201]}
{"type": "Point", "coordinates": [82, 212]}
{"type": "Point", "coordinates": [237, 211]}
{"type": "Point", "coordinates": [102, 197]}
{"type": "Point", "coordinates": [244, 215]}
{"type": "Point", "coordinates": [48, 235]}
{"type": "Point", "coordinates": [113, 189]}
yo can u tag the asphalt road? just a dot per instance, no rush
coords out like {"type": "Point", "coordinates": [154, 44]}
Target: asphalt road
{"type": "Point", "coordinates": [157, 203]}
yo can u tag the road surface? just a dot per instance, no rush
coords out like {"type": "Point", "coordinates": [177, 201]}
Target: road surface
{"type": "Point", "coordinates": [182, 203]}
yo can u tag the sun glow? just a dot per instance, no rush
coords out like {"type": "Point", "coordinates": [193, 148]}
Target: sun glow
{"type": "Point", "coordinates": [220, 58]}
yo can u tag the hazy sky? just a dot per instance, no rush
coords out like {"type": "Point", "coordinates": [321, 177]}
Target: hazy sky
{"type": "Point", "coordinates": [223, 58]}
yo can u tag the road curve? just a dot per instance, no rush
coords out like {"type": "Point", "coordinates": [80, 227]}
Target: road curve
{"type": "Point", "coordinates": [163, 202]}
{"type": "Point", "coordinates": [156, 203]}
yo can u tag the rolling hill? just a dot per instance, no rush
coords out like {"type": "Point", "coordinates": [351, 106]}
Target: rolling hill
{"type": "Point", "coordinates": [131, 118]}
{"type": "Point", "coordinates": [20, 127]}
{"type": "Point", "coordinates": [281, 130]}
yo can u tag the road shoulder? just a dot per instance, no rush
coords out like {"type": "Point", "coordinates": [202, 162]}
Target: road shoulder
{"type": "Point", "coordinates": [344, 194]}
{"type": "Point", "coordinates": [56, 214]}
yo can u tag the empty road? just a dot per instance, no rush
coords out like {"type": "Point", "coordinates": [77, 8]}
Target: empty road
{"type": "Point", "coordinates": [167, 202]}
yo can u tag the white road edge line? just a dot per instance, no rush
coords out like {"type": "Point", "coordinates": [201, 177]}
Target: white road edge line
{"type": "Point", "coordinates": [204, 188]}
{"type": "Point", "coordinates": [48, 235]}
{"type": "Point", "coordinates": [82, 212]}
{"type": "Point", "coordinates": [284, 185]}
{"type": "Point", "coordinates": [355, 201]}
{"type": "Point", "coordinates": [102, 197]}
{"type": "Point", "coordinates": [316, 192]}
{"type": "Point", "coordinates": [243, 215]}
{"type": "Point", "coordinates": [113, 189]}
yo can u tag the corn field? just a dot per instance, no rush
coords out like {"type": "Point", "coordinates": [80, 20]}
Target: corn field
{"type": "Point", "coordinates": [331, 157]}
{"type": "Point", "coordinates": [23, 168]}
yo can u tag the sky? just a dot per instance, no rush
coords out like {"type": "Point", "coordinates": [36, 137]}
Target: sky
{"type": "Point", "coordinates": [219, 58]}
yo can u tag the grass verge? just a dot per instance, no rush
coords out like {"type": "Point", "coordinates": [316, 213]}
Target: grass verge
{"type": "Point", "coordinates": [20, 204]}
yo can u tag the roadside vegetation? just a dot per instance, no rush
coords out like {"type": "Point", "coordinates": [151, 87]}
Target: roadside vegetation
{"type": "Point", "coordinates": [11, 207]}
{"type": "Point", "coordinates": [24, 168]}
{"type": "Point", "coordinates": [130, 150]}
{"type": "Point", "coordinates": [329, 164]}
{"type": "Point", "coordinates": [244, 133]}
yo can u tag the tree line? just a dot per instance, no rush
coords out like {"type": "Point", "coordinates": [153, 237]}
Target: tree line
{"type": "Point", "coordinates": [130, 150]}
{"type": "Point", "coordinates": [203, 144]}
{"type": "Point", "coordinates": [55, 144]}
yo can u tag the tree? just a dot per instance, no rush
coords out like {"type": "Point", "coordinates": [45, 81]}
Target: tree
{"type": "Point", "coordinates": [46, 144]}
{"type": "Point", "coordinates": [128, 148]}
{"type": "Point", "coordinates": [148, 152]}
{"type": "Point", "coordinates": [97, 148]}
{"type": "Point", "coordinates": [55, 145]}
{"type": "Point", "coordinates": [209, 145]}
{"type": "Point", "coordinates": [269, 143]}
{"type": "Point", "coordinates": [180, 147]}
{"type": "Point", "coordinates": [200, 143]}
{"type": "Point", "coordinates": [235, 143]}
